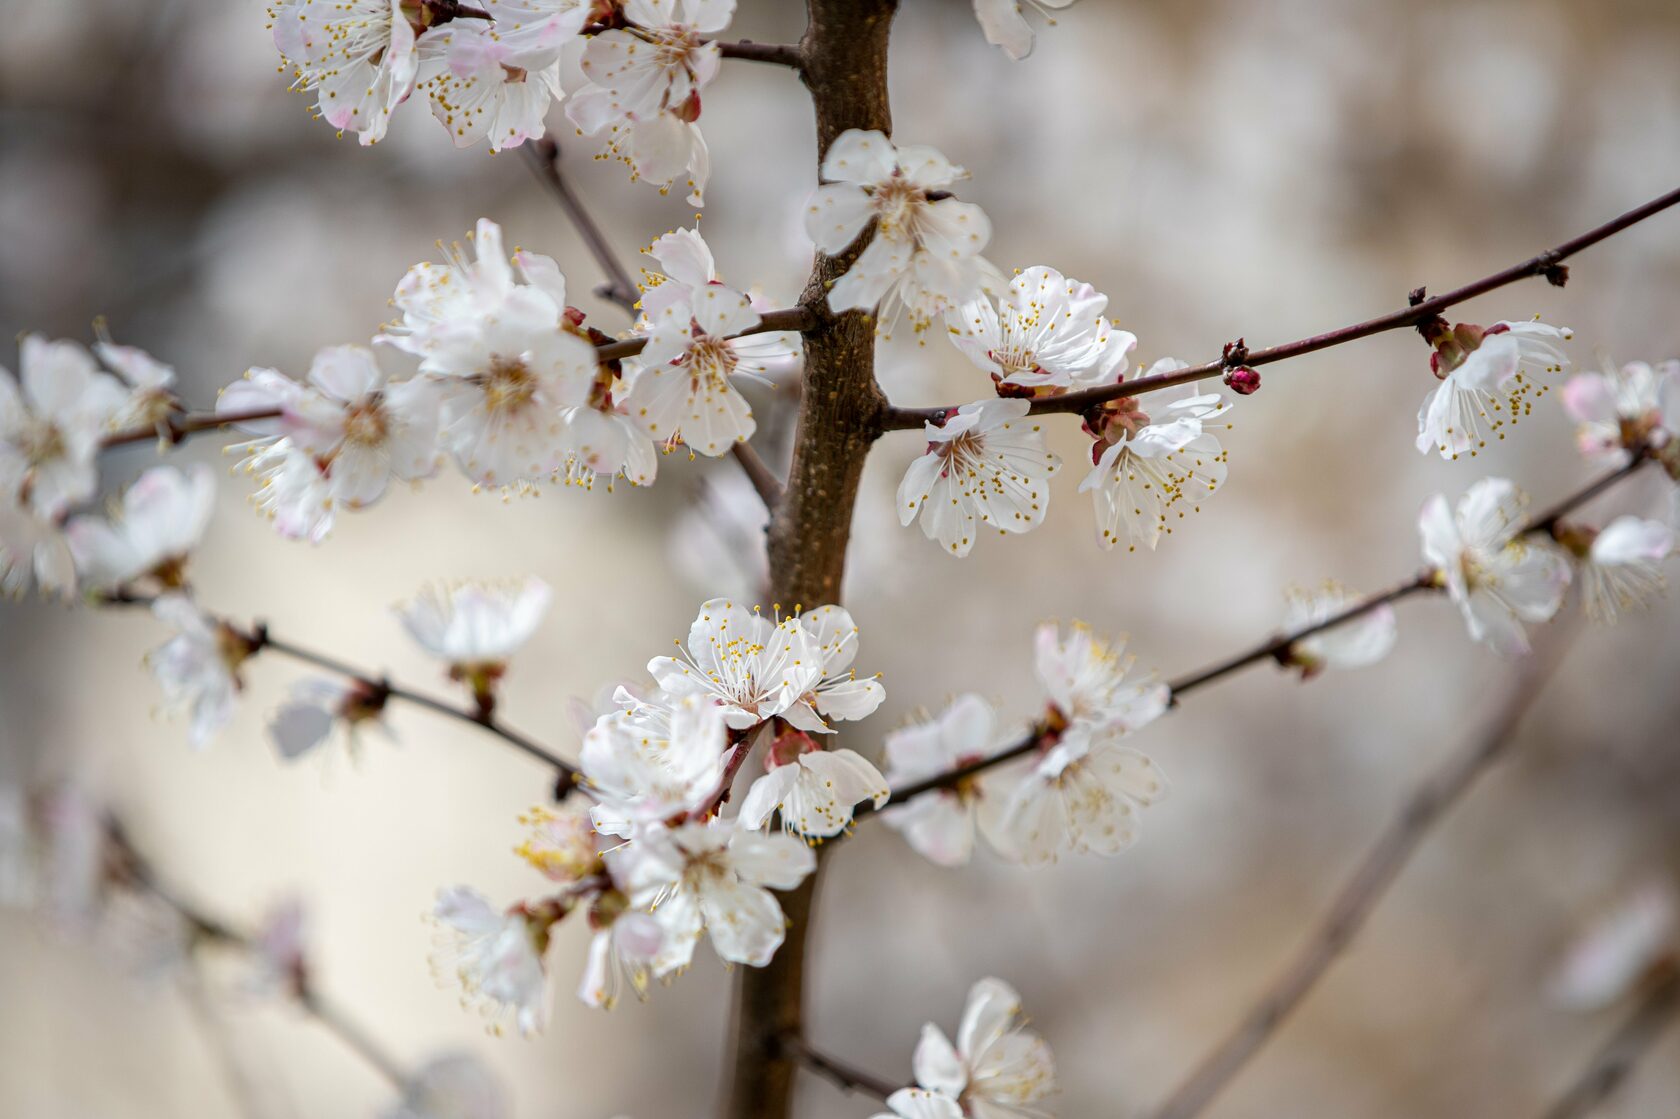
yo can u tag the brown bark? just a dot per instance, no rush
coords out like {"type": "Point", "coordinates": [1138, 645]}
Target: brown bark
{"type": "Point", "coordinates": [845, 65]}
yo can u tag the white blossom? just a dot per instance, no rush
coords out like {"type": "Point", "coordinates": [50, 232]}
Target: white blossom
{"type": "Point", "coordinates": [654, 762]}
{"type": "Point", "coordinates": [505, 355]}
{"type": "Point", "coordinates": [1622, 568]}
{"type": "Point", "coordinates": [621, 954]}
{"type": "Point", "coordinates": [917, 1103]}
{"type": "Point", "coordinates": [1046, 334]}
{"type": "Point", "coordinates": [453, 1086]}
{"type": "Point", "coordinates": [1005, 22]}
{"type": "Point", "coordinates": [1153, 467]}
{"type": "Point", "coordinates": [716, 878]}
{"type": "Point", "coordinates": [1637, 935]}
{"type": "Point", "coordinates": [939, 825]}
{"type": "Point", "coordinates": [986, 464]}
{"type": "Point", "coordinates": [1498, 577]}
{"type": "Point", "coordinates": [497, 78]}
{"type": "Point", "coordinates": [1082, 795]}
{"type": "Point", "coordinates": [562, 843]}
{"type": "Point", "coordinates": [1637, 405]}
{"type": "Point", "coordinates": [150, 382]}
{"type": "Point", "coordinates": [338, 441]}
{"type": "Point", "coordinates": [815, 790]}
{"type": "Point", "coordinates": [198, 668]}
{"type": "Point", "coordinates": [51, 421]}
{"type": "Point", "coordinates": [753, 667]}
{"type": "Point", "coordinates": [838, 694]}
{"type": "Point", "coordinates": [1085, 679]}
{"type": "Point", "coordinates": [358, 56]}
{"type": "Point", "coordinates": [33, 548]}
{"type": "Point", "coordinates": [476, 627]}
{"type": "Point", "coordinates": [1356, 643]}
{"type": "Point", "coordinates": [319, 704]}
{"type": "Point", "coordinates": [644, 88]}
{"type": "Point", "coordinates": [924, 255]}
{"type": "Point", "coordinates": [497, 958]}
{"type": "Point", "coordinates": [1487, 379]}
{"type": "Point", "coordinates": [159, 522]}
{"type": "Point", "coordinates": [998, 1068]}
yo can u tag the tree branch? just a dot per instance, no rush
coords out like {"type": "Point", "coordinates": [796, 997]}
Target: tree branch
{"type": "Point", "coordinates": [179, 426]}
{"type": "Point", "coordinates": [544, 157]}
{"type": "Point", "coordinates": [262, 638]}
{"type": "Point", "coordinates": [138, 871]}
{"type": "Point", "coordinates": [780, 54]}
{"type": "Point", "coordinates": [1548, 264]}
{"type": "Point", "coordinates": [793, 318]}
{"type": "Point", "coordinates": [1355, 901]}
{"type": "Point", "coordinates": [1272, 648]}
{"type": "Point", "coordinates": [1612, 1064]}
{"type": "Point", "coordinates": [764, 479]}
{"type": "Point", "coordinates": [843, 1076]}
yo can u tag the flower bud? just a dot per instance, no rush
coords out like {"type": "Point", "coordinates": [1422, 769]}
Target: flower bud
{"type": "Point", "coordinates": [1242, 380]}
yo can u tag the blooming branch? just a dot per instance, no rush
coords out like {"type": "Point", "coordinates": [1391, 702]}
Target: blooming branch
{"type": "Point", "coordinates": [1418, 311]}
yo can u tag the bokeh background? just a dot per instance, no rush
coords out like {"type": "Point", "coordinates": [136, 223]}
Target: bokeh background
{"type": "Point", "coordinates": [1220, 168]}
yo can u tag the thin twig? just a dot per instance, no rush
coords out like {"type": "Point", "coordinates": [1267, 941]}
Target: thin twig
{"type": "Point", "coordinates": [1273, 648]}
{"type": "Point", "coordinates": [178, 427]}
{"type": "Point", "coordinates": [261, 637]}
{"type": "Point", "coordinates": [1612, 1064]}
{"type": "Point", "coordinates": [792, 318]}
{"type": "Point", "coordinates": [544, 157]}
{"type": "Point", "coordinates": [1356, 899]}
{"type": "Point", "coordinates": [1548, 264]}
{"type": "Point", "coordinates": [846, 1077]}
{"type": "Point", "coordinates": [780, 54]}
{"type": "Point", "coordinates": [763, 479]}
{"type": "Point", "coordinates": [139, 871]}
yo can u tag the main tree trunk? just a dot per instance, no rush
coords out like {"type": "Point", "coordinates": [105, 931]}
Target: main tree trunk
{"type": "Point", "coordinates": [845, 66]}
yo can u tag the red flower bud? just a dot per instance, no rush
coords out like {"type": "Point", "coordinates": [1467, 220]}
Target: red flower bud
{"type": "Point", "coordinates": [1242, 380]}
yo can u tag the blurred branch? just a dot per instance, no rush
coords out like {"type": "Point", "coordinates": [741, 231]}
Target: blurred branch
{"type": "Point", "coordinates": [218, 1042]}
{"type": "Point", "coordinates": [1274, 648]}
{"type": "Point", "coordinates": [259, 637]}
{"type": "Point", "coordinates": [846, 1077]}
{"type": "Point", "coordinates": [1612, 1064]}
{"type": "Point", "coordinates": [138, 871]}
{"type": "Point", "coordinates": [1419, 310]}
{"type": "Point", "coordinates": [1358, 897]}
{"type": "Point", "coordinates": [764, 480]}
{"type": "Point", "coordinates": [179, 426]}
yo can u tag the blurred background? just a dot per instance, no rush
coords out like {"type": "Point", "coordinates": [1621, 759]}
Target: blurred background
{"type": "Point", "coordinates": [1219, 168]}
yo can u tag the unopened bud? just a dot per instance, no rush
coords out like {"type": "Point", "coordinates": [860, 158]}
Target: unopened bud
{"type": "Point", "coordinates": [1242, 380]}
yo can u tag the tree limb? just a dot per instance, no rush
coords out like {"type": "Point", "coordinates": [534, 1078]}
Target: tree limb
{"type": "Point", "coordinates": [845, 1077]}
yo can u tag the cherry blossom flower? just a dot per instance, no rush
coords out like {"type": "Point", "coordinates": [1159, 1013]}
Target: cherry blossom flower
{"type": "Point", "coordinates": [925, 253]}
{"type": "Point", "coordinates": [1487, 378]}
{"type": "Point", "coordinates": [1355, 643]}
{"type": "Point", "coordinates": [1498, 577]}
{"type": "Point", "coordinates": [497, 78]}
{"type": "Point", "coordinates": [752, 667]}
{"type": "Point", "coordinates": [622, 953]}
{"type": "Point", "coordinates": [986, 464]}
{"type": "Point", "coordinates": [838, 694]}
{"type": "Point", "coordinates": [915, 1103]}
{"type": "Point", "coordinates": [644, 89]}
{"type": "Point", "coordinates": [339, 440]}
{"type": "Point", "coordinates": [562, 843]}
{"type": "Point", "coordinates": [160, 520]}
{"type": "Point", "coordinates": [998, 1069]}
{"type": "Point", "coordinates": [1146, 468]}
{"type": "Point", "coordinates": [815, 790]}
{"type": "Point", "coordinates": [33, 548]}
{"type": "Point", "coordinates": [476, 627]}
{"type": "Point", "coordinates": [496, 957]}
{"type": "Point", "coordinates": [151, 397]}
{"type": "Point", "coordinates": [1046, 335]}
{"type": "Point", "coordinates": [686, 264]}
{"type": "Point", "coordinates": [716, 878]}
{"type": "Point", "coordinates": [1082, 795]}
{"type": "Point", "coordinates": [317, 705]}
{"type": "Point", "coordinates": [358, 56]}
{"type": "Point", "coordinates": [1621, 564]}
{"type": "Point", "coordinates": [1621, 410]}
{"type": "Point", "coordinates": [683, 384]}
{"type": "Point", "coordinates": [1085, 678]}
{"type": "Point", "coordinates": [654, 762]}
{"type": "Point", "coordinates": [1636, 937]}
{"type": "Point", "coordinates": [51, 421]}
{"type": "Point", "coordinates": [505, 354]}
{"type": "Point", "coordinates": [939, 825]}
{"type": "Point", "coordinates": [1005, 24]}
{"type": "Point", "coordinates": [453, 1086]}
{"type": "Point", "coordinates": [198, 668]}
